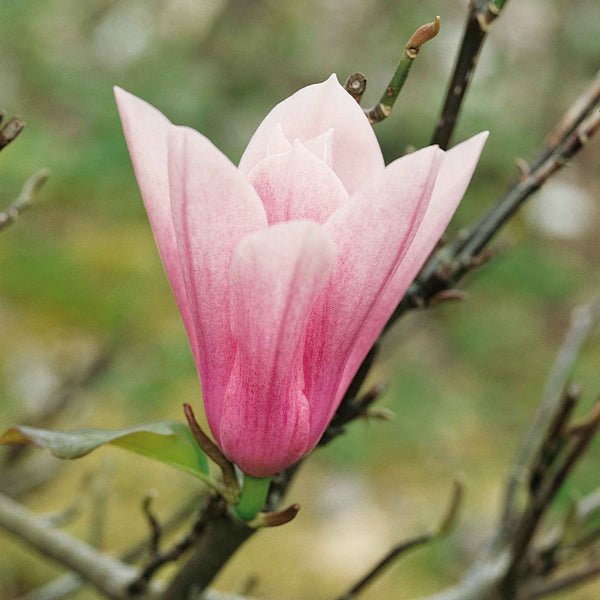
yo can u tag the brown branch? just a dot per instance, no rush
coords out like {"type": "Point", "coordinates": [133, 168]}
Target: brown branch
{"type": "Point", "coordinates": [481, 14]}
{"type": "Point", "coordinates": [221, 538]}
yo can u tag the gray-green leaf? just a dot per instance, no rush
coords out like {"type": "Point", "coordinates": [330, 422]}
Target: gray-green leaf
{"type": "Point", "coordinates": [167, 441]}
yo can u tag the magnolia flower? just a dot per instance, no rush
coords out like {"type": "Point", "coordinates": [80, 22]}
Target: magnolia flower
{"type": "Point", "coordinates": [286, 268]}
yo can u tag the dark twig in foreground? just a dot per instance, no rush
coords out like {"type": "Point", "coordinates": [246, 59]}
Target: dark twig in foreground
{"type": "Point", "coordinates": [445, 527]}
{"type": "Point", "coordinates": [481, 15]}
{"type": "Point", "coordinates": [25, 200]}
{"type": "Point", "coordinates": [384, 107]}
{"type": "Point", "coordinates": [214, 508]}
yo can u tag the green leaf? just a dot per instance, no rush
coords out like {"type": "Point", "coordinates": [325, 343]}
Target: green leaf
{"type": "Point", "coordinates": [167, 441]}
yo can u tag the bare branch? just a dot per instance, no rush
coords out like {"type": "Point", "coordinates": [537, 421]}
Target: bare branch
{"type": "Point", "coordinates": [108, 575]}
{"type": "Point", "coordinates": [25, 200]}
{"type": "Point", "coordinates": [445, 527]}
{"type": "Point", "coordinates": [582, 323]}
{"type": "Point", "coordinates": [481, 15]}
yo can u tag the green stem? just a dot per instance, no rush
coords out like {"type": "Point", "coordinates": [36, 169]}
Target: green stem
{"type": "Point", "coordinates": [384, 107]}
{"type": "Point", "coordinates": [252, 497]}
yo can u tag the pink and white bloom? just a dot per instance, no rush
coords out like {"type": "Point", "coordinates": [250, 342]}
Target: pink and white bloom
{"type": "Point", "coordinates": [286, 268]}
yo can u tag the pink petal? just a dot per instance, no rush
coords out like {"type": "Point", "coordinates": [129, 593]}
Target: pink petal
{"type": "Point", "coordinates": [276, 274]}
{"type": "Point", "coordinates": [214, 208]}
{"type": "Point", "coordinates": [297, 185]}
{"type": "Point", "coordinates": [278, 143]}
{"type": "Point", "coordinates": [145, 131]}
{"type": "Point", "coordinates": [313, 111]}
{"type": "Point", "coordinates": [372, 233]}
{"type": "Point", "coordinates": [452, 181]}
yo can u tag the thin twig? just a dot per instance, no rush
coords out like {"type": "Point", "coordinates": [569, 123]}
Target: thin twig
{"type": "Point", "coordinates": [10, 131]}
{"type": "Point", "coordinates": [582, 323]}
{"type": "Point", "coordinates": [554, 439]}
{"type": "Point", "coordinates": [384, 107]}
{"type": "Point", "coordinates": [154, 523]}
{"type": "Point", "coordinates": [541, 502]}
{"type": "Point", "coordinates": [446, 525]}
{"type": "Point", "coordinates": [25, 200]}
{"type": "Point", "coordinates": [569, 581]}
{"type": "Point", "coordinates": [481, 15]}
{"type": "Point", "coordinates": [214, 508]}
{"type": "Point", "coordinates": [576, 114]}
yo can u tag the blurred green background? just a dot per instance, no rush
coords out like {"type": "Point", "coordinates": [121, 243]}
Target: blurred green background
{"type": "Point", "coordinates": [80, 272]}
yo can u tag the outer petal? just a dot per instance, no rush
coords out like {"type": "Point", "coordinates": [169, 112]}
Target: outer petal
{"type": "Point", "coordinates": [372, 233]}
{"type": "Point", "coordinates": [297, 185]}
{"type": "Point", "coordinates": [214, 208]}
{"type": "Point", "coordinates": [275, 277]}
{"type": "Point", "coordinates": [312, 111]}
{"type": "Point", "coordinates": [145, 131]}
{"type": "Point", "coordinates": [454, 177]}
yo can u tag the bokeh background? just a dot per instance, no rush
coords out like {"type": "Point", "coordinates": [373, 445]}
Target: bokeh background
{"type": "Point", "coordinates": [80, 275]}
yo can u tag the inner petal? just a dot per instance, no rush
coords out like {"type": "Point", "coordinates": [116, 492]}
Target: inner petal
{"type": "Point", "coordinates": [278, 143]}
{"type": "Point", "coordinates": [322, 146]}
{"type": "Point", "coordinates": [297, 185]}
